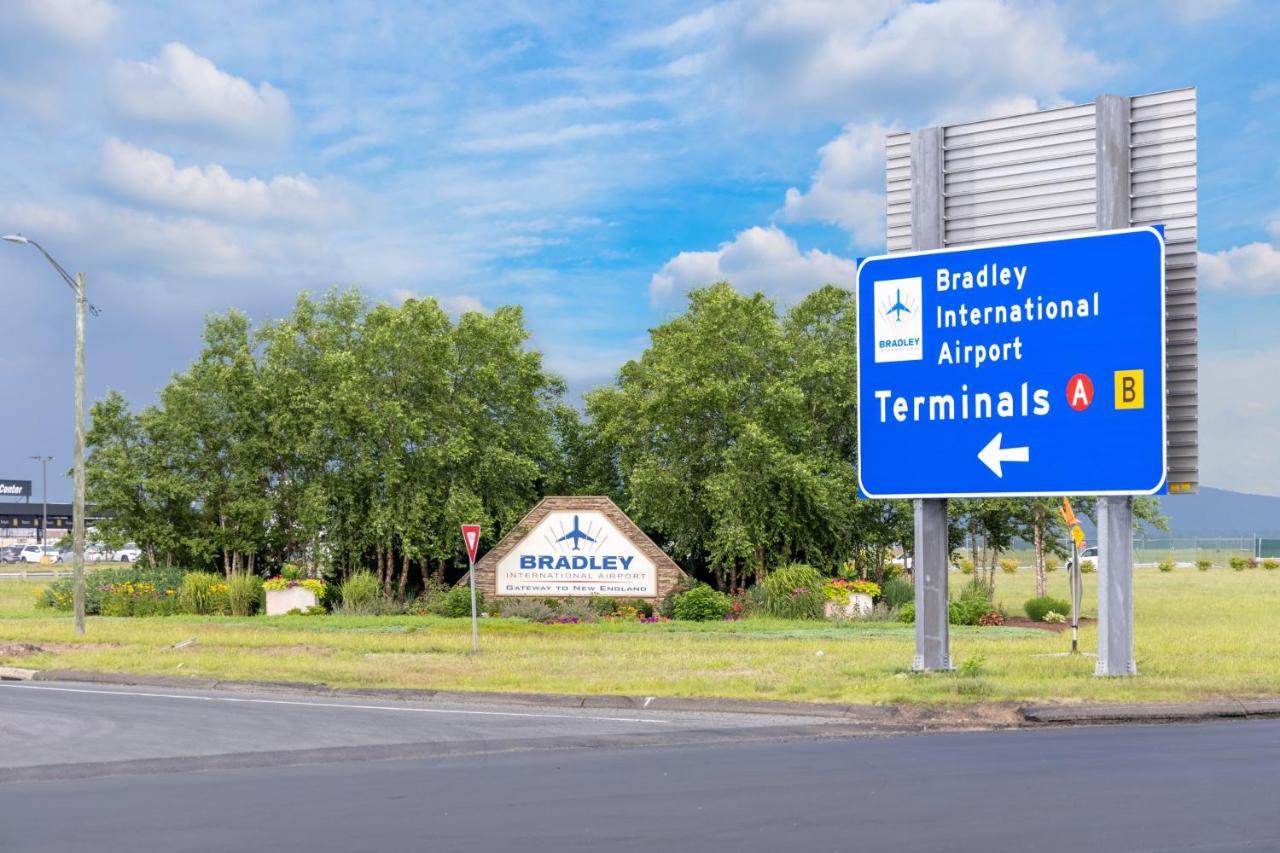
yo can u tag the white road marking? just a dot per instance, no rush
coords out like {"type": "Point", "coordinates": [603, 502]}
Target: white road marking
{"type": "Point", "coordinates": [338, 705]}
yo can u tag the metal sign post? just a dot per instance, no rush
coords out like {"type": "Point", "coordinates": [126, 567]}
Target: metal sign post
{"type": "Point", "coordinates": [1044, 299]}
{"type": "Point", "coordinates": [471, 537]}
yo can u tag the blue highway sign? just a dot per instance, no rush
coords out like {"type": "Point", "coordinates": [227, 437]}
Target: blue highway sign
{"type": "Point", "coordinates": [1025, 368]}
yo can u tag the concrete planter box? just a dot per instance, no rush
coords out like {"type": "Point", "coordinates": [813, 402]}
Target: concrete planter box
{"type": "Point", "coordinates": [859, 606]}
{"type": "Point", "coordinates": [294, 598]}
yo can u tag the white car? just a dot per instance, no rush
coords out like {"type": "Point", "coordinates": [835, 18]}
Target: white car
{"type": "Point", "coordinates": [1086, 554]}
{"type": "Point", "coordinates": [130, 553]}
{"type": "Point", "coordinates": [31, 554]}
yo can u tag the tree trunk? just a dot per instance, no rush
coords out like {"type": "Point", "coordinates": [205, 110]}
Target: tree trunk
{"type": "Point", "coordinates": [440, 570]}
{"type": "Point", "coordinates": [759, 565]}
{"type": "Point", "coordinates": [377, 561]}
{"type": "Point", "coordinates": [404, 577]}
{"type": "Point", "coordinates": [1037, 537]}
{"type": "Point", "coordinates": [424, 567]}
{"type": "Point", "coordinates": [389, 575]}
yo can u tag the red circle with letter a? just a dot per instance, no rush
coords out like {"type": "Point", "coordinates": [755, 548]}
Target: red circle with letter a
{"type": "Point", "coordinates": [1079, 392]}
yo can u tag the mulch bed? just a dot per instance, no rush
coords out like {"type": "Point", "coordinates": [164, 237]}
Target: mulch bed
{"type": "Point", "coordinates": [1055, 627]}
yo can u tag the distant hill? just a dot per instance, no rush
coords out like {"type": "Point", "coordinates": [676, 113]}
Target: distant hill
{"type": "Point", "coordinates": [1218, 512]}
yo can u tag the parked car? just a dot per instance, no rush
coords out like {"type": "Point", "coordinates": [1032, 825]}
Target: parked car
{"type": "Point", "coordinates": [130, 553]}
{"type": "Point", "coordinates": [31, 554]}
{"type": "Point", "coordinates": [1086, 554]}
{"type": "Point", "coordinates": [96, 554]}
{"type": "Point", "coordinates": [10, 553]}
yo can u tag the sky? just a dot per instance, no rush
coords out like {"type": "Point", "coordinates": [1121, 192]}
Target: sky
{"type": "Point", "coordinates": [591, 162]}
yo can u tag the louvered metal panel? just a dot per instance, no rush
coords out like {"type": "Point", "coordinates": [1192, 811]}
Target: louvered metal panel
{"type": "Point", "coordinates": [898, 192]}
{"type": "Point", "coordinates": [1162, 166]}
{"type": "Point", "coordinates": [1036, 175]}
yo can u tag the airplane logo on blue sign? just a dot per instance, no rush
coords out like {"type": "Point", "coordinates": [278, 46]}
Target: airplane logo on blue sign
{"type": "Point", "coordinates": [576, 536]}
{"type": "Point", "coordinates": [898, 308]}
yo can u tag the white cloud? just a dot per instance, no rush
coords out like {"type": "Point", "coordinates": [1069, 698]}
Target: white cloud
{"type": "Point", "coordinates": [834, 59]}
{"type": "Point", "coordinates": [150, 177]}
{"type": "Point", "coordinates": [848, 187]}
{"type": "Point", "coordinates": [1251, 268]}
{"type": "Point", "coordinates": [757, 259]}
{"type": "Point", "coordinates": [73, 21]}
{"type": "Point", "coordinates": [182, 91]}
{"type": "Point", "coordinates": [454, 304]}
{"type": "Point", "coordinates": [568, 135]}
{"type": "Point", "coordinates": [1240, 427]}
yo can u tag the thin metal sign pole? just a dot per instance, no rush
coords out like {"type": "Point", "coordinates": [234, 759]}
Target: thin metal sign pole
{"type": "Point", "coordinates": [933, 629]}
{"type": "Point", "coordinates": [475, 625]}
{"type": "Point", "coordinates": [1074, 580]}
{"type": "Point", "coordinates": [1115, 512]}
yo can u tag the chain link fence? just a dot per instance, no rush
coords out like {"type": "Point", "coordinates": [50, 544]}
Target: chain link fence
{"type": "Point", "coordinates": [1218, 550]}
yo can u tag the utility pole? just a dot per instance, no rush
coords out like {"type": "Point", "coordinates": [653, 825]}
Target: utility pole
{"type": "Point", "coordinates": [77, 509]}
{"type": "Point", "coordinates": [44, 510]}
{"type": "Point", "coordinates": [77, 285]}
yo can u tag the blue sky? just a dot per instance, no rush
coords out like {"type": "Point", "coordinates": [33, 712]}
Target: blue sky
{"type": "Point", "coordinates": [589, 161]}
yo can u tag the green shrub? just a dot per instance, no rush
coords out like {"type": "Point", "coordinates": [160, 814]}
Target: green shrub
{"type": "Point", "coordinates": [668, 606]}
{"type": "Point", "coordinates": [361, 594]}
{"type": "Point", "coordinates": [1036, 608]}
{"type": "Point", "coordinates": [794, 592]}
{"type": "Point", "coordinates": [431, 600]}
{"type": "Point", "coordinates": [1055, 617]}
{"type": "Point", "coordinates": [966, 565]}
{"type": "Point", "coordinates": [1088, 567]}
{"type": "Point", "coordinates": [1052, 563]}
{"type": "Point", "coordinates": [907, 613]}
{"type": "Point", "coordinates": [457, 602]}
{"type": "Point", "coordinates": [1009, 566]}
{"type": "Point", "coordinates": [59, 594]}
{"type": "Point", "coordinates": [1204, 565]}
{"type": "Point", "coordinates": [524, 608]}
{"type": "Point", "coordinates": [292, 572]}
{"type": "Point", "coordinates": [204, 594]}
{"type": "Point", "coordinates": [140, 598]}
{"type": "Point", "coordinates": [1239, 563]}
{"type": "Point", "coordinates": [897, 592]}
{"type": "Point", "coordinates": [245, 595]}
{"type": "Point", "coordinates": [967, 611]}
{"type": "Point", "coordinates": [603, 606]}
{"type": "Point", "coordinates": [1271, 564]}
{"type": "Point", "coordinates": [702, 604]}
{"type": "Point", "coordinates": [1166, 565]}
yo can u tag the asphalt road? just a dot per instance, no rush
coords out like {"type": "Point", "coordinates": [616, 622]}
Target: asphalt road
{"type": "Point", "coordinates": [111, 769]}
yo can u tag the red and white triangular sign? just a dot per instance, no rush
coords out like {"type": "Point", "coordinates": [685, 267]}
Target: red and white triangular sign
{"type": "Point", "coordinates": [471, 536]}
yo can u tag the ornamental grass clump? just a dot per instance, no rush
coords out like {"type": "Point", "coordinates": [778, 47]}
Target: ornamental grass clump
{"type": "Point", "coordinates": [203, 594]}
{"type": "Point", "coordinates": [245, 594]}
{"type": "Point", "coordinates": [1038, 608]}
{"type": "Point", "coordinates": [794, 592]}
{"type": "Point", "coordinates": [361, 595]}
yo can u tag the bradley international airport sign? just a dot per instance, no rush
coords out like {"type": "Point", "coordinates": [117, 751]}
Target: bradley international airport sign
{"type": "Point", "coordinates": [1022, 368]}
{"type": "Point", "coordinates": [576, 554]}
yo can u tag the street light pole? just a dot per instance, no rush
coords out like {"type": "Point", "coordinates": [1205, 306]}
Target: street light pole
{"type": "Point", "coordinates": [77, 512]}
{"type": "Point", "coordinates": [44, 496]}
{"type": "Point", "coordinates": [77, 508]}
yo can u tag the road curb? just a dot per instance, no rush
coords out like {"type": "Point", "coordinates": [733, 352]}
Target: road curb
{"type": "Point", "coordinates": [1155, 712]}
{"type": "Point", "coordinates": [978, 715]}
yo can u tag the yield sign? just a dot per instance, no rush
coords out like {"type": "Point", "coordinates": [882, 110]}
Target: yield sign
{"type": "Point", "coordinates": [471, 536]}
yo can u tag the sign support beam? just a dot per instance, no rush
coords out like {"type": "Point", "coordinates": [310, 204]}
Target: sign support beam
{"type": "Point", "coordinates": [933, 629]}
{"type": "Point", "coordinates": [1115, 513]}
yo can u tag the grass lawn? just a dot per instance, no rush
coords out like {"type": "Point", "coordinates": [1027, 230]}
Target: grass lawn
{"type": "Point", "coordinates": [1199, 634]}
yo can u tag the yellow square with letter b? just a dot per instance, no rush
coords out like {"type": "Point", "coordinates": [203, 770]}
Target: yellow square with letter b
{"type": "Point", "coordinates": [1129, 389]}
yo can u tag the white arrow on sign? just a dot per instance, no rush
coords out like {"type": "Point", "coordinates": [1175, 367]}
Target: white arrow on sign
{"type": "Point", "coordinates": [993, 454]}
